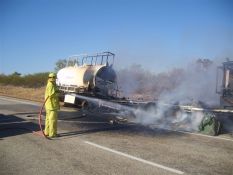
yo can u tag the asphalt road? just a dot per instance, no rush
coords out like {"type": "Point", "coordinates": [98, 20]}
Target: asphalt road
{"type": "Point", "coordinates": [89, 144]}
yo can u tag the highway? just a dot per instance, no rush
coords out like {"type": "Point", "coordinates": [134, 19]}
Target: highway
{"type": "Point", "coordinates": [90, 144]}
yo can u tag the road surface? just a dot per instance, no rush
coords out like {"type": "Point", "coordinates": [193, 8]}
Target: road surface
{"type": "Point", "coordinates": [89, 144]}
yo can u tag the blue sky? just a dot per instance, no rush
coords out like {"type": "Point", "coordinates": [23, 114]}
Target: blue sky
{"type": "Point", "coordinates": [158, 34]}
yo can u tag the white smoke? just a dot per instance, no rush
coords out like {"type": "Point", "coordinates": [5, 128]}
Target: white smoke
{"type": "Point", "coordinates": [168, 117]}
{"type": "Point", "coordinates": [193, 86]}
{"type": "Point", "coordinates": [197, 85]}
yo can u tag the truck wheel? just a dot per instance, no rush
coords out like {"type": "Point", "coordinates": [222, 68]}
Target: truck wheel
{"type": "Point", "coordinates": [84, 105]}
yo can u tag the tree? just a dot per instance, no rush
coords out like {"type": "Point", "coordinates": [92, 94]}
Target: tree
{"type": "Point", "coordinates": [16, 74]}
{"type": "Point", "coordinates": [61, 63]}
{"type": "Point", "coordinates": [204, 63]}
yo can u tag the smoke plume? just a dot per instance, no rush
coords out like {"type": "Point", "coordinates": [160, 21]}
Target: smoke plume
{"type": "Point", "coordinates": [193, 85]}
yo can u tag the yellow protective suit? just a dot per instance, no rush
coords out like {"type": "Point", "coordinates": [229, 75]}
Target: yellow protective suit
{"type": "Point", "coordinates": [52, 106]}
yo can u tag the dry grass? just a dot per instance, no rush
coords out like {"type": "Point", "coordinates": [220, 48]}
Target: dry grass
{"type": "Point", "coordinates": [34, 94]}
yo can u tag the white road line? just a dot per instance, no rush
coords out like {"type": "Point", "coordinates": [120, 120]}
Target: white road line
{"type": "Point", "coordinates": [135, 158]}
{"type": "Point", "coordinates": [202, 135]}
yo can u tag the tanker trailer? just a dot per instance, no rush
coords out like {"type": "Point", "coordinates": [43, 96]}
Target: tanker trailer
{"type": "Point", "coordinates": [91, 75]}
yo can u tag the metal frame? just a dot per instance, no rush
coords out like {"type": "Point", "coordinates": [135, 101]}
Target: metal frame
{"type": "Point", "coordinates": [225, 92]}
{"type": "Point", "coordinates": [104, 56]}
{"type": "Point", "coordinates": [228, 65]}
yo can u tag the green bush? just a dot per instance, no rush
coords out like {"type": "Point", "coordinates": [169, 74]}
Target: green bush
{"type": "Point", "coordinates": [31, 80]}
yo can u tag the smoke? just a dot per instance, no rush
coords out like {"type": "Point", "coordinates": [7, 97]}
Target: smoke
{"type": "Point", "coordinates": [131, 80]}
{"type": "Point", "coordinates": [197, 86]}
{"type": "Point", "coordinates": [168, 117]}
{"type": "Point", "coordinates": [196, 82]}
{"type": "Point", "coordinates": [193, 85]}
{"type": "Point", "coordinates": [135, 82]}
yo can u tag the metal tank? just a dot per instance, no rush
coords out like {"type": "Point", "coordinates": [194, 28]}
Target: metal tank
{"type": "Point", "coordinates": [91, 75]}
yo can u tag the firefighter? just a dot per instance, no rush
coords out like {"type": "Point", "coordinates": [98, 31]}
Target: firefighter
{"type": "Point", "coordinates": [51, 106]}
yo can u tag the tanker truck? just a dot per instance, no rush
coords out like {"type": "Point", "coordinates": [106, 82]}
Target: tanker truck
{"type": "Point", "coordinates": [89, 75]}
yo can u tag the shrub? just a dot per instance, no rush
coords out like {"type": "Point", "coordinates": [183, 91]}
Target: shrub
{"type": "Point", "coordinates": [31, 80]}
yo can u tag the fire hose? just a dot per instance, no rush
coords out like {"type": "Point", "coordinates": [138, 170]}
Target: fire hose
{"type": "Point", "coordinates": [40, 118]}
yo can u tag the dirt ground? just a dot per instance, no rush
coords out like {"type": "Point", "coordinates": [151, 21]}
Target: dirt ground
{"type": "Point", "coordinates": [34, 94]}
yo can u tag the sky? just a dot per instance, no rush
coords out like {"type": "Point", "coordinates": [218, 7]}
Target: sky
{"type": "Point", "coordinates": [157, 34]}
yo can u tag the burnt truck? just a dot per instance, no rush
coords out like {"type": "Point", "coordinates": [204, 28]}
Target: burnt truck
{"type": "Point", "coordinates": [88, 75]}
{"type": "Point", "coordinates": [224, 84]}
{"type": "Point", "coordinates": [89, 82]}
